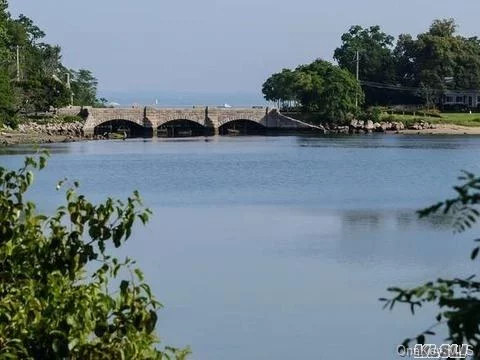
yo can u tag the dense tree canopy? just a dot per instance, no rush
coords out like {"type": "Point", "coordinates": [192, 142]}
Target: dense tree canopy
{"type": "Point", "coordinates": [410, 70]}
{"type": "Point", "coordinates": [320, 86]}
{"type": "Point", "coordinates": [42, 81]}
{"type": "Point", "coordinates": [375, 50]}
{"type": "Point", "coordinates": [84, 87]}
{"type": "Point", "coordinates": [63, 295]}
{"type": "Point", "coordinates": [439, 58]}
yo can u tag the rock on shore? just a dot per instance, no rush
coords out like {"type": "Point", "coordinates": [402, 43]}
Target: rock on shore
{"type": "Point", "coordinates": [368, 126]}
{"type": "Point", "coordinates": [74, 129]}
{"type": "Point", "coordinates": [42, 133]}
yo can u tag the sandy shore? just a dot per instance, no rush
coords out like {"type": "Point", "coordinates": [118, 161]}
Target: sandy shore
{"type": "Point", "coordinates": [445, 129]}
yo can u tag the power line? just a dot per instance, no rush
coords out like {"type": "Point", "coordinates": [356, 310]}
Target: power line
{"type": "Point", "coordinates": [396, 87]}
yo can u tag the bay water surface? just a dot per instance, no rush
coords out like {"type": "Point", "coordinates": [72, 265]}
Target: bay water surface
{"type": "Point", "coordinates": [278, 247]}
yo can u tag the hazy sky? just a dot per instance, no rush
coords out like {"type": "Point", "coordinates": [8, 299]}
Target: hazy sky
{"type": "Point", "coordinates": [217, 45]}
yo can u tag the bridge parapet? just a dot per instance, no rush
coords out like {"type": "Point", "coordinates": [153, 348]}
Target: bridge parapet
{"type": "Point", "coordinates": [107, 114]}
{"type": "Point", "coordinates": [158, 117]}
{"type": "Point", "coordinates": [71, 111]}
{"type": "Point", "coordinates": [98, 116]}
{"type": "Point", "coordinates": [220, 117]}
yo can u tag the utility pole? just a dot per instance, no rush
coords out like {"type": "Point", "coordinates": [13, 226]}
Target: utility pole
{"type": "Point", "coordinates": [358, 77]}
{"type": "Point", "coordinates": [18, 63]}
{"type": "Point", "coordinates": [69, 87]}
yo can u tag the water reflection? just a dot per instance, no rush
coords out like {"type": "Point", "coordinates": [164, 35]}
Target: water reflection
{"type": "Point", "coordinates": [378, 141]}
{"type": "Point", "coordinates": [373, 238]}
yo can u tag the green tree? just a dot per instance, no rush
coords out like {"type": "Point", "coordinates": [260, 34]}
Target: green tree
{"type": "Point", "coordinates": [7, 110]}
{"type": "Point", "coordinates": [279, 88]}
{"type": "Point", "coordinates": [57, 294]}
{"type": "Point", "coordinates": [329, 90]}
{"type": "Point", "coordinates": [375, 51]}
{"type": "Point", "coordinates": [457, 299]}
{"type": "Point", "coordinates": [308, 86]}
{"type": "Point", "coordinates": [320, 86]}
{"type": "Point", "coordinates": [34, 33]}
{"type": "Point", "coordinates": [84, 88]}
{"type": "Point", "coordinates": [376, 61]}
{"type": "Point", "coordinates": [437, 55]}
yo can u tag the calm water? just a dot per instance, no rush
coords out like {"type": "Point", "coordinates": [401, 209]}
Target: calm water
{"type": "Point", "coordinates": [279, 247]}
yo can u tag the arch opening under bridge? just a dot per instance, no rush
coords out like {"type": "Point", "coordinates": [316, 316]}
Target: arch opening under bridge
{"type": "Point", "coordinates": [242, 127]}
{"type": "Point", "coordinates": [181, 128]}
{"type": "Point", "coordinates": [120, 127]}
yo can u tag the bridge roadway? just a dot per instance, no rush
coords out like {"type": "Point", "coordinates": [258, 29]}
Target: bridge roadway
{"type": "Point", "coordinates": [209, 117]}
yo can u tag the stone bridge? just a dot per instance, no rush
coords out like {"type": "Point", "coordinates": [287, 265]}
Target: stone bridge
{"type": "Point", "coordinates": [211, 118]}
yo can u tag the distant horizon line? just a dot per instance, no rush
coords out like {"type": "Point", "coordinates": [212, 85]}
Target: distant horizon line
{"type": "Point", "coordinates": [183, 99]}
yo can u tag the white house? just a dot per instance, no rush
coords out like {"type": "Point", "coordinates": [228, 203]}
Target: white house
{"type": "Point", "coordinates": [466, 98]}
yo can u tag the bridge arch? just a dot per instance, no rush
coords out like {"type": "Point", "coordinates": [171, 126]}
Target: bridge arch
{"type": "Point", "coordinates": [176, 118]}
{"type": "Point", "coordinates": [241, 126]}
{"type": "Point", "coordinates": [180, 128]}
{"type": "Point", "coordinates": [131, 128]}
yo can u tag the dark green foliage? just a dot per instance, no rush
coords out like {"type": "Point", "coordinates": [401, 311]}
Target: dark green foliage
{"type": "Point", "coordinates": [458, 299]}
{"type": "Point", "coordinates": [373, 113]}
{"type": "Point", "coordinates": [280, 87]}
{"type": "Point", "coordinates": [412, 70]}
{"type": "Point", "coordinates": [375, 53]}
{"type": "Point", "coordinates": [57, 299]}
{"type": "Point", "coordinates": [317, 87]}
{"type": "Point", "coordinates": [435, 56]}
{"type": "Point", "coordinates": [43, 78]}
{"type": "Point", "coordinates": [8, 115]}
{"type": "Point", "coordinates": [84, 87]}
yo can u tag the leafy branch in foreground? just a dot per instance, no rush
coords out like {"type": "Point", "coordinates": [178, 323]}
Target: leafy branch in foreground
{"type": "Point", "coordinates": [56, 292]}
{"type": "Point", "coordinates": [458, 299]}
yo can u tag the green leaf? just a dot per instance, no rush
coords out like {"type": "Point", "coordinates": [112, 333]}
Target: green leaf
{"type": "Point", "coordinates": [73, 343]}
{"type": "Point", "coordinates": [144, 218]}
{"type": "Point", "coordinates": [101, 328]}
{"type": "Point", "coordinates": [139, 274]}
{"type": "Point", "coordinates": [421, 339]}
{"type": "Point", "coordinates": [124, 286]}
{"type": "Point", "coordinates": [152, 322]}
{"type": "Point", "coordinates": [29, 178]}
{"type": "Point", "coordinates": [42, 162]}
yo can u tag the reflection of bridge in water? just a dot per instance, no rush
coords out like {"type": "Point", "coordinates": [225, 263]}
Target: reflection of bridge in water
{"type": "Point", "coordinates": [195, 121]}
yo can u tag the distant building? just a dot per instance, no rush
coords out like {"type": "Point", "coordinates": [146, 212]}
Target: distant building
{"type": "Point", "coordinates": [461, 98]}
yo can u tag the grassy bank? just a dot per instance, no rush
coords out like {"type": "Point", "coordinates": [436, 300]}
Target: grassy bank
{"type": "Point", "coordinates": [462, 119]}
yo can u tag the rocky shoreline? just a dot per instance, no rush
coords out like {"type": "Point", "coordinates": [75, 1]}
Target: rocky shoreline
{"type": "Point", "coordinates": [359, 127]}
{"type": "Point", "coordinates": [34, 133]}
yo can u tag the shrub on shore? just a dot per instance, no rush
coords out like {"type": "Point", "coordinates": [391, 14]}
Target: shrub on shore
{"type": "Point", "coordinates": [457, 300]}
{"type": "Point", "coordinates": [70, 119]}
{"type": "Point", "coordinates": [57, 298]}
